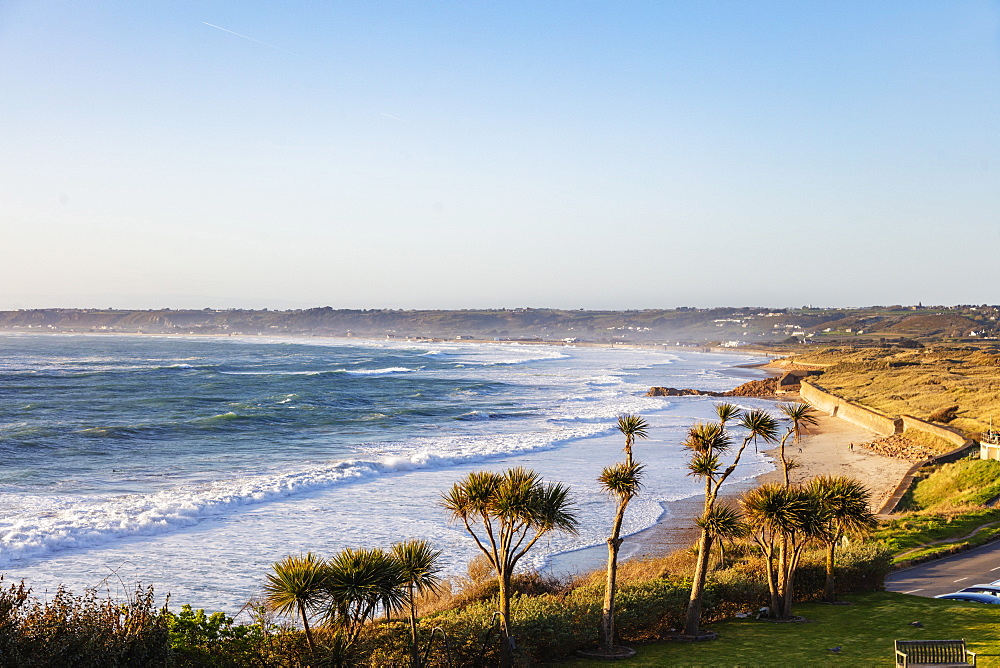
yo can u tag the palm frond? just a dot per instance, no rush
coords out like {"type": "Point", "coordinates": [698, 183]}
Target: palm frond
{"type": "Point", "coordinates": [727, 412]}
{"type": "Point", "coordinates": [296, 580]}
{"type": "Point", "coordinates": [623, 479]}
{"type": "Point", "coordinates": [760, 424]}
{"type": "Point", "coordinates": [708, 437]}
{"type": "Point", "coordinates": [723, 521]}
{"type": "Point", "coordinates": [703, 465]}
{"type": "Point", "coordinates": [846, 501]}
{"type": "Point", "coordinates": [420, 564]}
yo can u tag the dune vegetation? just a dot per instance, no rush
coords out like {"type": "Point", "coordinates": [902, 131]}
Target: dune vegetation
{"type": "Point", "coordinates": [957, 386]}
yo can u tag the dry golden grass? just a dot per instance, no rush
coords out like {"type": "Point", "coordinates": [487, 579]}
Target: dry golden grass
{"type": "Point", "coordinates": [916, 382]}
{"type": "Point", "coordinates": [935, 444]}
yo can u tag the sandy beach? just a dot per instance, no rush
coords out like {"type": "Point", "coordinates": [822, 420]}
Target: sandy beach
{"type": "Point", "coordinates": [826, 450]}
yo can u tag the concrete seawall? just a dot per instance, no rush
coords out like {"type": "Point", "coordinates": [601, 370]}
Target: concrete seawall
{"type": "Point", "coordinates": [947, 433]}
{"type": "Point", "coordinates": [886, 426]}
{"type": "Point", "coordinates": [854, 413]}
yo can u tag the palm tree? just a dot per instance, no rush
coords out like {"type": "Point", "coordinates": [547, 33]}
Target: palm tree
{"type": "Point", "coordinates": [783, 521]}
{"type": "Point", "coordinates": [420, 566]}
{"type": "Point", "coordinates": [357, 582]}
{"type": "Point", "coordinates": [727, 412]}
{"type": "Point", "coordinates": [708, 441]}
{"type": "Point", "coordinates": [296, 584]}
{"type": "Point", "coordinates": [847, 507]}
{"type": "Point", "coordinates": [723, 522]}
{"type": "Point", "coordinates": [506, 514]}
{"type": "Point", "coordinates": [633, 427]}
{"type": "Point", "coordinates": [621, 481]}
{"type": "Point", "coordinates": [800, 416]}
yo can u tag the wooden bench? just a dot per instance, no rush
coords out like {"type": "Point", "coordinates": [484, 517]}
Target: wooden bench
{"type": "Point", "coordinates": [914, 653]}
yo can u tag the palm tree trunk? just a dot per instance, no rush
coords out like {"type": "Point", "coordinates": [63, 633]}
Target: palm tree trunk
{"type": "Point", "coordinates": [414, 647]}
{"type": "Point", "coordinates": [693, 621]}
{"type": "Point", "coordinates": [793, 565]}
{"type": "Point", "coordinates": [772, 584]}
{"type": "Point", "coordinates": [830, 593]}
{"type": "Point", "coordinates": [305, 623]}
{"type": "Point", "coordinates": [607, 630]}
{"type": "Point", "coordinates": [506, 658]}
{"type": "Point", "coordinates": [782, 576]}
{"type": "Point", "coordinates": [784, 461]}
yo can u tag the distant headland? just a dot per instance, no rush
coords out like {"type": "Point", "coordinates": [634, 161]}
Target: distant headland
{"type": "Point", "coordinates": [729, 327]}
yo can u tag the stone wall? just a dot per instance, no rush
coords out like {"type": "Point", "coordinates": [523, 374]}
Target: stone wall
{"type": "Point", "coordinates": [854, 413]}
{"type": "Point", "coordinates": [947, 433]}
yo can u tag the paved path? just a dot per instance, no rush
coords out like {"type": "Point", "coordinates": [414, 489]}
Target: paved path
{"type": "Point", "coordinates": [977, 566]}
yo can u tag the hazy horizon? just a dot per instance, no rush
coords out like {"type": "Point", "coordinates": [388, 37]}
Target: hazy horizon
{"type": "Point", "coordinates": [475, 154]}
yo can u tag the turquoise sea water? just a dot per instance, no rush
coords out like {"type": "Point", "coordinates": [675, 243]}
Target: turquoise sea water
{"type": "Point", "coordinates": [193, 463]}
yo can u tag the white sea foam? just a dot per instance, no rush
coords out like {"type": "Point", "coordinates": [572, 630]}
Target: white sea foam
{"type": "Point", "coordinates": [377, 372]}
{"type": "Point", "coordinates": [93, 522]}
{"type": "Point", "coordinates": [185, 530]}
{"type": "Point", "coordinates": [349, 372]}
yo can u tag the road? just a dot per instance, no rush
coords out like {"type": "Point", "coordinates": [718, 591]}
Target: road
{"type": "Point", "coordinates": [944, 576]}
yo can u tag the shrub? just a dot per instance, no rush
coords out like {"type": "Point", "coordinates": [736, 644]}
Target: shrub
{"type": "Point", "coordinates": [81, 630]}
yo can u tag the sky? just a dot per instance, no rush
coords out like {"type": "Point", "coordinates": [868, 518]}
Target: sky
{"type": "Point", "coordinates": [485, 154]}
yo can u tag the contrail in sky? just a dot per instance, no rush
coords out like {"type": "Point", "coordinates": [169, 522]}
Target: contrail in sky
{"type": "Point", "coordinates": [232, 32]}
{"type": "Point", "coordinates": [391, 116]}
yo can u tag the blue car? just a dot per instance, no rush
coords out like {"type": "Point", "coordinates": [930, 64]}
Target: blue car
{"type": "Point", "coordinates": [974, 597]}
{"type": "Point", "coordinates": [991, 589]}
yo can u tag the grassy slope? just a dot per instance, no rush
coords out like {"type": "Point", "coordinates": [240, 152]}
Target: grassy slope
{"type": "Point", "coordinates": [966, 482]}
{"type": "Point", "coordinates": [865, 631]}
{"type": "Point", "coordinates": [946, 512]}
{"type": "Point", "coordinates": [937, 378]}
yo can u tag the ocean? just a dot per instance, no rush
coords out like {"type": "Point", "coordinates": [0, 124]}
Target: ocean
{"type": "Point", "coordinates": [193, 463]}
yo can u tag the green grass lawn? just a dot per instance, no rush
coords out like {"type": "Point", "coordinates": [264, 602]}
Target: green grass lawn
{"type": "Point", "coordinates": [911, 531]}
{"type": "Point", "coordinates": [865, 631]}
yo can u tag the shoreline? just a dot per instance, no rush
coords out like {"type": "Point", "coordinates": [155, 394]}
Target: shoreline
{"type": "Point", "coordinates": [825, 450]}
{"type": "Point", "coordinates": [673, 525]}
{"type": "Point", "coordinates": [653, 345]}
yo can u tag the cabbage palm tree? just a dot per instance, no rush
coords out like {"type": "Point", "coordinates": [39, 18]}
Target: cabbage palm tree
{"type": "Point", "coordinates": [727, 412]}
{"type": "Point", "coordinates": [621, 481]}
{"type": "Point", "coordinates": [708, 442]}
{"type": "Point", "coordinates": [800, 417]}
{"type": "Point", "coordinates": [723, 522]}
{"type": "Point", "coordinates": [783, 521]}
{"type": "Point", "coordinates": [633, 427]}
{"type": "Point", "coordinates": [297, 584]}
{"type": "Point", "coordinates": [421, 567]}
{"type": "Point", "coordinates": [847, 508]}
{"type": "Point", "coordinates": [357, 582]}
{"type": "Point", "coordinates": [506, 514]}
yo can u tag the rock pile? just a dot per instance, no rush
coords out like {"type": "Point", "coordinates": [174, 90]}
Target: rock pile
{"type": "Point", "coordinates": [767, 387]}
{"type": "Point", "coordinates": [899, 447]}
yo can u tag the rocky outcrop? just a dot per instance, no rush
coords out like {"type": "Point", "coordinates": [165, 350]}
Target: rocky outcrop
{"type": "Point", "coordinates": [767, 387]}
{"type": "Point", "coordinates": [674, 392]}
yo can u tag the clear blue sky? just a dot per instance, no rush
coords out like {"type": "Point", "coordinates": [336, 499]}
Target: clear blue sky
{"type": "Point", "coordinates": [406, 154]}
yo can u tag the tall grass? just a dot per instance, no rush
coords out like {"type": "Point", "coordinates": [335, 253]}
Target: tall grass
{"type": "Point", "coordinates": [967, 482]}
{"type": "Point", "coordinates": [916, 382]}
